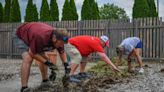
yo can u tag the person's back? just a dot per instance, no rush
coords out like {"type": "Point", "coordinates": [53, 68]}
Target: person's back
{"type": "Point", "coordinates": [35, 34]}
{"type": "Point", "coordinates": [86, 44]}
{"type": "Point", "coordinates": [131, 41]}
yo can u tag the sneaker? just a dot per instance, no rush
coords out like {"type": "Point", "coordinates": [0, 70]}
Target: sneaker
{"type": "Point", "coordinates": [84, 75]}
{"type": "Point", "coordinates": [141, 70]}
{"type": "Point", "coordinates": [26, 90]}
{"type": "Point", "coordinates": [46, 84]}
{"type": "Point", "coordinates": [73, 79]}
{"type": "Point", "coordinates": [43, 86]}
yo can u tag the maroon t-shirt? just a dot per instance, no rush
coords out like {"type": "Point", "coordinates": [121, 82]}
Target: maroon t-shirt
{"type": "Point", "coordinates": [38, 36]}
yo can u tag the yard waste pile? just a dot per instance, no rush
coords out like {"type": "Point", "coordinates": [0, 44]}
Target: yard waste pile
{"type": "Point", "coordinates": [101, 78]}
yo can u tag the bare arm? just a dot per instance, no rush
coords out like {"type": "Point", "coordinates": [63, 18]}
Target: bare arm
{"type": "Point", "coordinates": [63, 57]}
{"type": "Point", "coordinates": [38, 57]}
{"type": "Point", "coordinates": [133, 52]}
{"type": "Point", "coordinates": [107, 60]}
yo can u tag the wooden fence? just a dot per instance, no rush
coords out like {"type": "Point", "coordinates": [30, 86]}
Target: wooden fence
{"type": "Point", "coordinates": [150, 30]}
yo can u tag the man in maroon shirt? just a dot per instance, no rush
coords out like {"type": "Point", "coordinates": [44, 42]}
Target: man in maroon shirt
{"type": "Point", "coordinates": [35, 39]}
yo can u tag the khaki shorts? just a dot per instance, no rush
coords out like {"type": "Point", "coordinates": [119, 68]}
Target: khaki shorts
{"type": "Point", "coordinates": [74, 54]}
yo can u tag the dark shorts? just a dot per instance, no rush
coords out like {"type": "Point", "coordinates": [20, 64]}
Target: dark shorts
{"type": "Point", "coordinates": [139, 45]}
{"type": "Point", "coordinates": [18, 43]}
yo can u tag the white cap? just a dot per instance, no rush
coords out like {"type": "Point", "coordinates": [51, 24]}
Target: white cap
{"type": "Point", "coordinates": [105, 39]}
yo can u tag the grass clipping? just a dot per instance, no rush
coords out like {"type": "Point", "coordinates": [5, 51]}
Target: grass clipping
{"type": "Point", "coordinates": [103, 75]}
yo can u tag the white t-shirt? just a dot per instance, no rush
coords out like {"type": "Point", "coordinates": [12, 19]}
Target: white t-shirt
{"type": "Point", "coordinates": [129, 44]}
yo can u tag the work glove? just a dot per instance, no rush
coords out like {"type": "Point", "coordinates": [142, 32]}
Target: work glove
{"type": "Point", "coordinates": [52, 76]}
{"type": "Point", "coordinates": [53, 69]}
{"type": "Point", "coordinates": [67, 68]}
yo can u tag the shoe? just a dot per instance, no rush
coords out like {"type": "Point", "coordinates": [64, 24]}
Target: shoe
{"type": "Point", "coordinates": [43, 86]}
{"type": "Point", "coordinates": [84, 75]}
{"type": "Point", "coordinates": [46, 84]}
{"type": "Point", "coordinates": [73, 79]}
{"type": "Point", "coordinates": [26, 90]}
{"type": "Point", "coordinates": [141, 70]}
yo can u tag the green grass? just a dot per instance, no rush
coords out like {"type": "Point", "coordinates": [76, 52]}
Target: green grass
{"type": "Point", "coordinates": [102, 69]}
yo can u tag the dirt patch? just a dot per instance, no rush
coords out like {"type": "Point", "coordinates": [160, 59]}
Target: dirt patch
{"type": "Point", "coordinates": [102, 79]}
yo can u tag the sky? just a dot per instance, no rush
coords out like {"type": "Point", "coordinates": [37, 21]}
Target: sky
{"type": "Point", "coordinates": [127, 5]}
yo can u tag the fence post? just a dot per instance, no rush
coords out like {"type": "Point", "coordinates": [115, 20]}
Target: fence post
{"type": "Point", "coordinates": [10, 42]}
{"type": "Point", "coordinates": [79, 27]}
{"type": "Point", "coordinates": [161, 39]}
{"type": "Point", "coordinates": [108, 34]}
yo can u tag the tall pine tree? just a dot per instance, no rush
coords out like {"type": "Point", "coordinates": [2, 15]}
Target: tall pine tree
{"type": "Point", "coordinates": [140, 9]}
{"type": "Point", "coordinates": [95, 11]}
{"type": "Point", "coordinates": [54, 10]}
{"type": "Point", "coordinates": [35, 13]}
{"type": "Point", "coordinates": [29, 11]}
{"type": "Point", "coordinates": [44, 11]}
{"type": "Point", "coordinates": [6, 16]}
{"type": "Point", "coordinates": [15, 15]}
{"type": "Point", "coordinates": [67, 14]}
{"type": "Point", "coordinates": [86, 11]}
{"type": "Point", "coordinates": [1, 13]}
{"type": "Point", "coordinates": [152, 8]}
{"type": "Point", "coordinates": [74, 10]}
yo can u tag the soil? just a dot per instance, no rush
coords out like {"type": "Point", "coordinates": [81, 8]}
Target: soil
{"type": "Point", "coordinates": [101, 80]}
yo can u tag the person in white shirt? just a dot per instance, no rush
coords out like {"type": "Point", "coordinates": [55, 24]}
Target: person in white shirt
{"type": "Point", "coordinates": [130, 46]}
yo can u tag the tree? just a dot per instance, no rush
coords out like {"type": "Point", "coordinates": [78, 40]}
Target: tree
{"type": "Point", "coordinates": [110, 11]}
{"type": "Point", "coordinates": [74, 10]}
{"type": "Point", "coordinates": [140, 9]}
{"type": "Point", "coordinates": [1, 13]}
{"type": "Point", "coordinates": [35, 13]}
{"type": "Point", "coordinates": [152, 8]}
{"type": "Point", "coordinates": [95, 11]}
{"type": "Point", "coordinates": [67, 14]}
{"type": "Point", "coordinates": [86, 11]}
{"type": "Point", "coordinates": [54, 10]}
{"type": "Point", "coordinates": [44, 11]}
{"type": "Point", "coordinates": [15, 15]}
{"type": "Point", "coordinates": [29, 11]}
{"type": "Point", "coordinates": [89, 10]}
{"type": "Point", "coordinates": [6, 16]}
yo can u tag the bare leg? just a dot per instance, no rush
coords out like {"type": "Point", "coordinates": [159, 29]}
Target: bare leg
{"type": "Point", "coordinates": [82, 66]}
{"type": "Point", "coordinates": [25, 68]}
{"type": "Point", "coordinates": [73, 68]}
{"type": "Point", "coordinates": [129, 66]}
{"type": "Point", "coordinates": [43, 69]}
{"type": "Point", "coordinates": [139, 58]}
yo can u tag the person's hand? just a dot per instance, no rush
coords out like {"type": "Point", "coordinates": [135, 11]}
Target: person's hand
{"type": "Point", "coordinates": [116, 69]}
{"type": "Point", "coordinates": [67, 68]}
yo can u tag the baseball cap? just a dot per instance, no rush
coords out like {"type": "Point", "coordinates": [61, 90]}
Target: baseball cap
{"type": "Point", "coordinates": [61, 34]}
{"type": "Point", "coordinates": [105, 39]}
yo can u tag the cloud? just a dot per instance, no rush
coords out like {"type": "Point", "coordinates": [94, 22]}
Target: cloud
{"type": "Point", "coordinates": [127, 5]}
{"type": "Point", "coordinates": [161, 8]}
